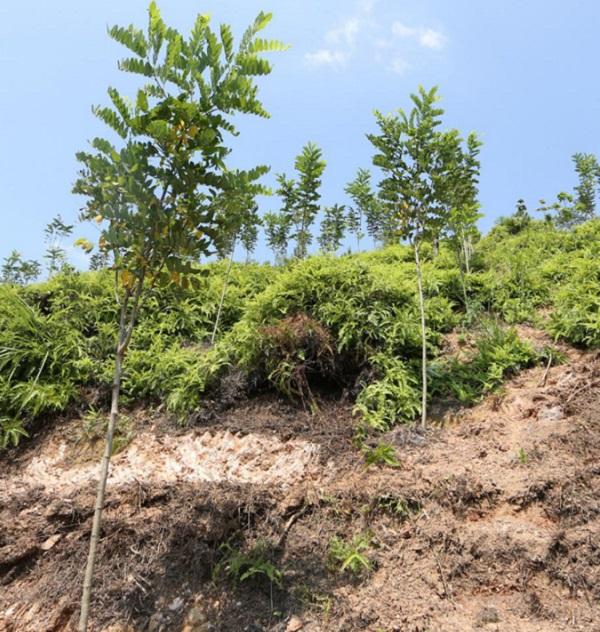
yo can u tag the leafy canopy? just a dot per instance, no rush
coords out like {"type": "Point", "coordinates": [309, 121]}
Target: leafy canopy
{"type": "Point", "coordinates": [158, 195]}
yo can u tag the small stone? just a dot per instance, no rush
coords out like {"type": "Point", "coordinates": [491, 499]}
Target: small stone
{"type": "Point", "coordinates": [487, 615]}
{"type": "Point", "coordinates": [294, 624]}
{"type": "Point", "coordinates": [554, 413]}
{"type": "Point", "coordinates": [155, 623]}
{"type": "Point", "coordinates": [196, 615]}
{"type": "Point", "coordinates": [176, 604]}
{"type": "Point", "coordinates": [51, 541]}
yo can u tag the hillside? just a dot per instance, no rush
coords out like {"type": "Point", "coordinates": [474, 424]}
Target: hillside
{"type": "Point", "coordinates": [275, 480]}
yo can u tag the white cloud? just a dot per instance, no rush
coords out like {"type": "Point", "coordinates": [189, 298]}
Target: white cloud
{"type": "Point", "coordinates": [432, 39]}
{"type": "Point", "coordinates": [366, 6]}
{"type": "Point", "coordinates": [346, 33]}
{"type": "Point", "coordinates": [327, 57]}
{"type": "Point", "coordinates": [399, 66]}
{"type": "Point", "coordinates": [401, 30]}
{"type": "Point", "coordinates": [426, 37]}
{"type": "Point", "coordinates": [380, 42]}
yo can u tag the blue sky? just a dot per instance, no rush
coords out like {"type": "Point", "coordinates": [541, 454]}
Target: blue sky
{"type": "Point", "coordinates": [522, 74]}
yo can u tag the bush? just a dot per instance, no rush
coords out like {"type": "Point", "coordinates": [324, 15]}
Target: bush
{"type": "Point", "coordinates": [353, 320]}
{"type": "Point", "coordinates": [498, 353]}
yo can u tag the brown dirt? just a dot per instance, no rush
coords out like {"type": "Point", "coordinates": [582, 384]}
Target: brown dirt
{"type": "Point", "coordinates": [492, 521]}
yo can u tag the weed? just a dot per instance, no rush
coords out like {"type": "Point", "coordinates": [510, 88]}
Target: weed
{"type": "Point", "coordinates": [241, 566]}
{"type": "Point", "coordinates": [94, 425]}
{"type": "Point", "coordinates": [382, 454]}
{"type": "Point", "coordinates": [398, 507]}
{"type": "Point", "coordinates": [350, 556]}
{"type": "Point", "coordinates": [522, 456]}
{"type": "Point", "coordinates": [499, 353]}
{"type": "Point", "coordinates": [314, 600]}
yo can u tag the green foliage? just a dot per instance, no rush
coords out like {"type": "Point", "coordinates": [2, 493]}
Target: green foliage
{"type": "Point", "coordinates": [351, 321]}
{"type": "Point", "coordinates": [398, 507]}
{"type": "Point", "coordinates": [522, 456]}
{"type": "Point", "coordinates": [257, 562]}
{"type": "Point", "coordinates": [382, 454]}
{"type": "Point", "coordinates": [165, 197]}
{"type": "Point", "coordinates": [333, 228]}
{"type": "Point", "coordinates": [391, 398]}
{"type": "Point", "coordinates": [18, 271]}
{"type": "Point", "coordinates": [349, 555]}
{"type": "Point", "coordinates": [42, 359]}
{"type": "Point", "coordinates": [300, 207]}
{"type": "Point", "coordinates": [498, 353]}
{"type": "Point", "coordinates": [93, 429]}
{"type": "Point", "coordinates": [365, 208]}
{"type": "Point", "coordinates": [572, 209]}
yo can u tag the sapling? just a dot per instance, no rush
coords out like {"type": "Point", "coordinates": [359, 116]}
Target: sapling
{"type": "Point", "coordinates": [155, 193]}
{"type": "Point", "coordinates": [410, 153]}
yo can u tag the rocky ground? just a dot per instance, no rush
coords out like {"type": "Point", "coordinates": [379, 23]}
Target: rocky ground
{"type": "Point", "coordinates": [491, 521]}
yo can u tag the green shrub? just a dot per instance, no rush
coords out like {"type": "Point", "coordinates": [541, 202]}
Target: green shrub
{"type": "Point", "coordinates": [381, 454]}
{"type": "Point", "coordinates": [352, 320]}
{"type": "Point", "coordinates": [350, 555]}
{"type": "Point", "coordinates": [257, 562]}
{"type": "Point", "coordinates": [392, 396]}
{"type": "Point", "coordinates": [499, 353]}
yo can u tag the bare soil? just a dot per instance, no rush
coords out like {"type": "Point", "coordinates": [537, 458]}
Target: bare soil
{"type": "Point", "coordinates": [491, 522]}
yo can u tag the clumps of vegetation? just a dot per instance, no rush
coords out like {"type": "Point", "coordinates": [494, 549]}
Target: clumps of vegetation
{"type": "Point", "coordinates": [522, 456]}
{"type": "Point", "coordinates": [498, 353]}
{"type": "Point", "coordinates": [392, 397]}
{"type": "Point", "coordinates": [94, 425]}
{"type": "Point", "coordinates": [257, 562]}
{"type": "Point", "coordinates": [350, 321]}
{"type": "Point", "coordinates": [294, 349]}
{"type": "Point", "coordinates": [396, 506]}
{"type": "Point", "coordinates": [350, 555]}
{"type": "Point", "coordinates": [42, 362]}
{"type": "Point", "coordinates": [381, 454]}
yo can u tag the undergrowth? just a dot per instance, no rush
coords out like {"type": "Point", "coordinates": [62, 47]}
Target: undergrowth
{"type": "Point", "coordinates": [346, 322]}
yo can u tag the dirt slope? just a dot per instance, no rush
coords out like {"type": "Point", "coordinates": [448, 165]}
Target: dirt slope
{"type": "Point", "coordinates": [492, 522]}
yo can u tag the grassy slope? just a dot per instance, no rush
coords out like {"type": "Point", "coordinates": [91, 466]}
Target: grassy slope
{"type": "Point", "coordinates": [350, 320]}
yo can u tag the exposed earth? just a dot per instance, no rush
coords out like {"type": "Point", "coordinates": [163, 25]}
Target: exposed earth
{"type": "Point", "coordinates": [491, 522]}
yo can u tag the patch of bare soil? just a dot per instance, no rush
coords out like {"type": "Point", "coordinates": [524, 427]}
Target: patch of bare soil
{"type": "Point", "coordinates": [492, 521]}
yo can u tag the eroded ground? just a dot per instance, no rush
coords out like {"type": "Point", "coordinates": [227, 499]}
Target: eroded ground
{"type": "Point", "coordinates": [492, 522]}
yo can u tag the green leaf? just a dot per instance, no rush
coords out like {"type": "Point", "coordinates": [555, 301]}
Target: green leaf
{"type": "Point", "coordinates": [263, 46]}
{"type": "Point", "coordinates": [136, 66]}
{"type": "Point", "coordinates": [227, 41]}
{"type": "Point", "coordinates": [111, 118]}
{"type": "Point", "coordinates": [130, 37]}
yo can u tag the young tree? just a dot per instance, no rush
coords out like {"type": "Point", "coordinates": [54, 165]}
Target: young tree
{"type": "Point", "coordinates": [99, 260]}
{"type": "Point", "coordinates": [278, 224]}
{"type": "Point", "coordinates": [410, 153]}
{"type": "Point", "coordinates": [309, 165]}
{"type": "Point", "coordinates": [277, 230]}
{"type": "Point", "coordinates": [571, 209]}
{"type": "Point", "coordinates": [240, 223]}
{"type": "Point", "coordinates": [588, 172]}
{"type": "Point", "coordinates": [249, 231]}
{"type": "Point", "coordinates": [18, 271]}
{"type": "Point", "coordinates": [56, 255]}
{"type": "Point", "coordinates": [333, 228]}
{"type": "Point", "coordinates": [155, 193]}
{"type": "Point", "coordinates": [458, 189]}
{"type": "Point", "coordinates": [365, 207]}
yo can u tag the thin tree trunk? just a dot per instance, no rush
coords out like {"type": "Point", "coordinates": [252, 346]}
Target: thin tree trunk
{"type": "Point", "coordinates": [423, 336]}
{"type": "Point", "coordinates": [222, 300]}
{"type": "Point", "coordinates": [467, 253]}
{"type": "Point", "coordinates": [124, 337]}
{"type": "Point", "coordinates": [97, 523]}
{"type": "Point", "coordinates": [464, 285]}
